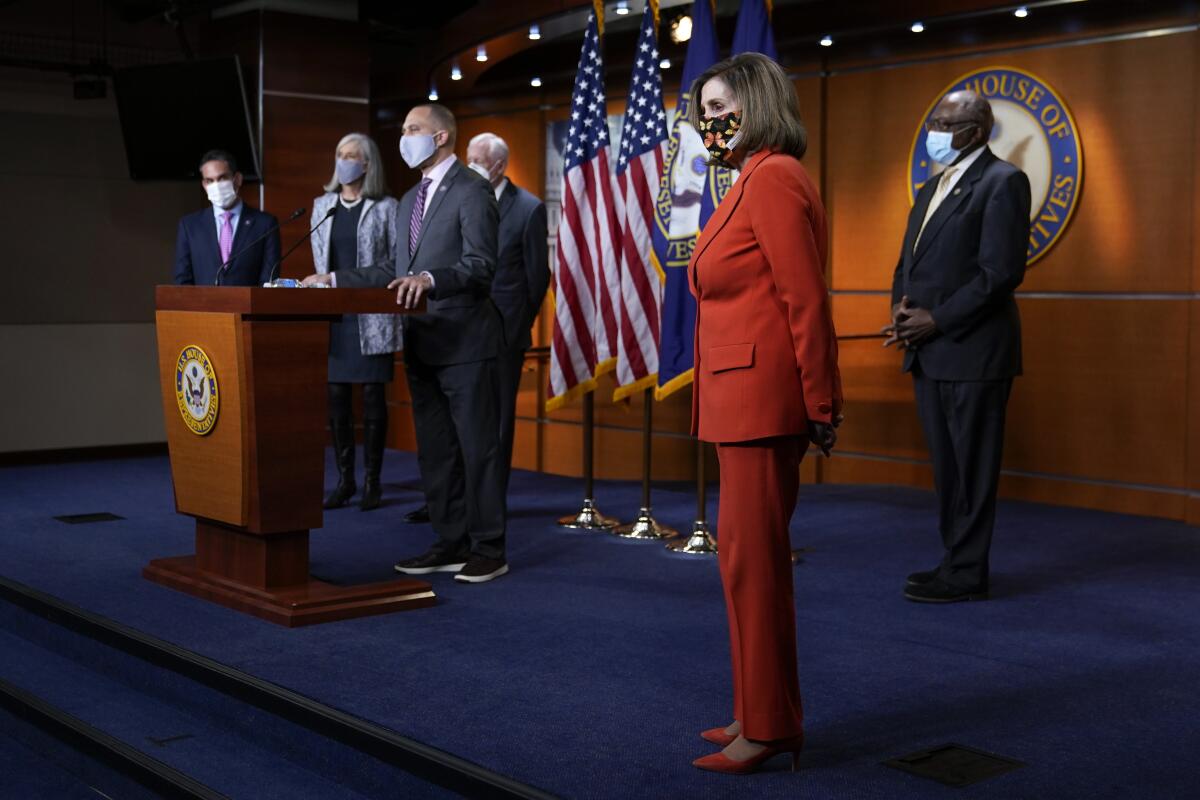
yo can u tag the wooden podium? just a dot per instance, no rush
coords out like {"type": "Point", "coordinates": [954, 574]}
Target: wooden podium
{"type": "Point", "coordinates": [243, 373]}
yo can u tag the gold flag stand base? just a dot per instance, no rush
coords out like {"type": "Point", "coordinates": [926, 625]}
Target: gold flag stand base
{"type": "Point", "coordinates": [700, 543]}
{"type": "Point", "coordinates": [589, 518]}
{"type": "Point", "coordinates": [645, 527]}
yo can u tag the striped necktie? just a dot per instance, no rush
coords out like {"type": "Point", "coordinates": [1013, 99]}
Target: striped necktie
{"type": "Point", "coordinates": [418, 214]}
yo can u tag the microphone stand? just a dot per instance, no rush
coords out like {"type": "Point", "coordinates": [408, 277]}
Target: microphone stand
{"type": "Point", "coordinates": [332, 210]}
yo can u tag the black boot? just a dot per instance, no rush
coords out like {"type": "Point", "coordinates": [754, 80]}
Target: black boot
{"type": "Point", "coordinates": [374, 437]}
{"type": "Point", "coordinates": [341, 424]}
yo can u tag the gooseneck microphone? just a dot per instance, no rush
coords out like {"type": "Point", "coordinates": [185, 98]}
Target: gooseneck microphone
{"type": "Point", "coordinates": [221, 272]}
{"type": "Point", "coordinates": [332, 210]}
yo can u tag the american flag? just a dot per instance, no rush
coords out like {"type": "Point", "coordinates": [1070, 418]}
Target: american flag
{"type": "Point", "coordinates": [639, 172]}
{"type": "Point", "coordinates": [586, 275]}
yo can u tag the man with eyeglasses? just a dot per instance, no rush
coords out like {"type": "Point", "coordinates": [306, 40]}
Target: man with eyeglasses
{"type": "Point", "coordinates": [954, 315]}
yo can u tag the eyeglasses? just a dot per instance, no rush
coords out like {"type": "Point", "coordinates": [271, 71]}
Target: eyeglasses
{"type": "Point", "coordinates": [949, 125]}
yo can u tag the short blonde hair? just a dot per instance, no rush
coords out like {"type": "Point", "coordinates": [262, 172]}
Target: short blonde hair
{"type": "Point", "coordinates": [770, 108]}
{"type": "Point", "coordinates": [375, 183]}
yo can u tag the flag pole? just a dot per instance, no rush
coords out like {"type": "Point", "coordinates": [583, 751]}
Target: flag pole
{"type": "Point", "coordinates": [645, 526]}
{"type": "Point", "coordinates": [700, 543]}
{"type": "Point", "coordinates": [588, 518]}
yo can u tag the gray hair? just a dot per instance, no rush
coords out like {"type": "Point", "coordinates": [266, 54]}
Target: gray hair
{"type": "Point", "coordinates": [375, 182]}
{"type": "Point", "coordinates": [497, 148]}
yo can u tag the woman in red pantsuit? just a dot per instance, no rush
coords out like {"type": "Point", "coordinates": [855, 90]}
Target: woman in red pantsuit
{"type": "Point", "coordinates": [766, 383]}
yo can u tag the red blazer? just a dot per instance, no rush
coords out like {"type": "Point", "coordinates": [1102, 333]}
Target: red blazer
{"type": "Point", "coordinates": [766, 352]}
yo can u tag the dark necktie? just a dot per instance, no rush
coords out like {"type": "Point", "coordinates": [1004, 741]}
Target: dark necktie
{"type": "Point", "coordinates": [418, 214]}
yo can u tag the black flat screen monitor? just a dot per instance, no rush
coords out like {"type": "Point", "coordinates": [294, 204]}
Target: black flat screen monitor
{"type": "Point", "coordinates": [171, 114]}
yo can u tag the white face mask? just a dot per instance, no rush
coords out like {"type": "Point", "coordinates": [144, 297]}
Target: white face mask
{"type": "Point", "coordinates": [481, 169]}
{"type": "Point", "coordinates": [416, 148]}
{"type": "Point", "coordinates": [221, 194]}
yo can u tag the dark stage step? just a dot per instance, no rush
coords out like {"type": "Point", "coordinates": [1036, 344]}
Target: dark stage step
{"type": "Point", "coordinates": [226, 732]}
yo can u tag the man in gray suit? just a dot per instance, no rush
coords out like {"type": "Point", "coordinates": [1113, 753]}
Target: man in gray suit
{"type": "Point", "coordinates": [522, 273]}
{"type": "Point", "coordinates": [447, 256]}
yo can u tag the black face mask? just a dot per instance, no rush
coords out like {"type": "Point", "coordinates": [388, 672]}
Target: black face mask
{"type": "Point", "coordinates": [718, 132]}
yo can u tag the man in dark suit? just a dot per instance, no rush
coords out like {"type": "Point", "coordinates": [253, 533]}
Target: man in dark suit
{"type": "Point", "coordinates": [447, 255]}
{"type": "Point", "coordinates": [522, 273]}
{"type": "Point", "coordinates": [208, 238]}
{"type": "Point", "coordinates": [954, 314]}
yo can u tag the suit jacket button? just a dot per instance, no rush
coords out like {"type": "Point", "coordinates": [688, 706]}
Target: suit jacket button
{"type": "Point", "coordinates": [824, 408]}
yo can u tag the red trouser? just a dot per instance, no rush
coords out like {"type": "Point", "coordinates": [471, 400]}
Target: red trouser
{"type": "Point", "coordinates": [759, 484]}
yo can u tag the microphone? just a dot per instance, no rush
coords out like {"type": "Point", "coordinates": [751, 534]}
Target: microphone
{"type": "Point", "coordinates": [332, 210]}
{"type": "Point", "coordinates": [221, 272]}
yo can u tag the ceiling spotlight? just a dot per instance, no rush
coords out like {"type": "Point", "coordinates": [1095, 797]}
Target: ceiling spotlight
{"type": "Point", "coordinates": [622, 8]}
{"type": "Point", "coordinates": [917, 27]}
{"type": "Point", "coordinates": [826, 41]}
{"type": "Point", "coordinates": [455, 73]}
{"type": "Point", "coordinates": [1021, 13]}
{"type": "Point", "coordinates": [535, 82]}
{"type": "Point", "coordinates": [681, 29]}
{"type": "Point", "coordinates": [481, 53]}
{"type": "Point", "coordinates": [664, 64]}
{"type": "Point", "coordinates": [535, 32]}
{"type": "Point", "coordinates": [433, 95]}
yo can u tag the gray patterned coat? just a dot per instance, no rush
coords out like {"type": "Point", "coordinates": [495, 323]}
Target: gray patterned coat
{"type": "Point", "coordinates": [378, 243]}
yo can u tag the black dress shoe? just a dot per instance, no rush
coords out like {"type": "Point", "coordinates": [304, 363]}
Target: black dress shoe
{"type": "Point", "coordinates": [938, 591]}
{"type": "Point", "coordinates": [418, 516]}
{"type": "Point", "coordinates": [481, 570]}
{"type": "Point", "coordinates": [431, 562]}
{"type": "Point", "coordinates": [921, 578]}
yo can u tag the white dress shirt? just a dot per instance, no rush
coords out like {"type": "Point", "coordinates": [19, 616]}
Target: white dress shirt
{"type": "Point", "coordinates": [218, 213]}
{"type": "Point", "coordinates": [500, 189]}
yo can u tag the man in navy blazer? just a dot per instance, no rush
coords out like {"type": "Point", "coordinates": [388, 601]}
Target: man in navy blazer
{"type": "Point", "coordinates": [208, 238]}
{"type": "Point", "coordinates": [522, 274]}
{"type": "Point", "coordinates": [954, 314]}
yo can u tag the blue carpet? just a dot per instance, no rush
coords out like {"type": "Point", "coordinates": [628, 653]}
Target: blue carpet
{"type": "Point", "coordinates": [590, 668]}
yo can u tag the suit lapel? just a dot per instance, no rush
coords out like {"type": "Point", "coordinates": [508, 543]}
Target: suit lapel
{"type": "Point", "coordinates": [916, 217]}
{"type": "Point", "coordinates": [242, 231]}
{"type": "Point", "coordinates": [958, 195]}
{"type": "Point", "coordinates": [434, 204]}
{"type": "Point", "coordinates": [507, 198]}
{"type": "Point", "coordinates": [724, 211]}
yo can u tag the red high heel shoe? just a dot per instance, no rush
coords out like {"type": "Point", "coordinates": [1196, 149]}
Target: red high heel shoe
{"type": "Point", "coordinates": [718, 736]}
{"type": "Point", "coordinates": [719, 762]}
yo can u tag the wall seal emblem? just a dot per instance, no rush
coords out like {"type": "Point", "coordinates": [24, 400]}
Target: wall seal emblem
{"type": "Point", "coordinates": [1035, 131]}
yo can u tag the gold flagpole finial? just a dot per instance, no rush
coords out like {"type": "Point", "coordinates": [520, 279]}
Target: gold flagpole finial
{"type": "Point", "coordinates": [598, 7]}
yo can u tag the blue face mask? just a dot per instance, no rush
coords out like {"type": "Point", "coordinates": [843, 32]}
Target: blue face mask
{"type": "Point", "coordinates": [349, 170]}
{"type": "Point", "coordinates": [938, 145]}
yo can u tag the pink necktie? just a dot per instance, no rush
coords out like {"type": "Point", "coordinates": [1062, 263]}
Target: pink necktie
{"type": "Point", "coordinates": [226, 240]}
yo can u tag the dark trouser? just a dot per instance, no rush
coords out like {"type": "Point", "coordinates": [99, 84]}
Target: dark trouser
{"type": "Point", "coordinates": [759, 484]}
{"type": "Point", "coordinates": [458, 450]}
{"type": "Point", "coordinates": [964, 428]}
{"type": "Point", "coordinates": [508, 367]}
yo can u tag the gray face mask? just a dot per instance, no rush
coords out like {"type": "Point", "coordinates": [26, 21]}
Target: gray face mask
{"type": "Point", "coordinates": [349, 170]}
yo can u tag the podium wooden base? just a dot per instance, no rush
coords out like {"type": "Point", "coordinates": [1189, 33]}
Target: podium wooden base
{"type": "Point", "coordinates": [309, 603]}
{"type": "Point", "coordinates": [267, 576]}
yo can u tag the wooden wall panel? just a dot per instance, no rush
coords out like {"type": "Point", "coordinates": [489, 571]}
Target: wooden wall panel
{"type": "Point", "coordinates": [1193, 418]}
{"type": "Point", "coordinates": [1104, 391]}
{"type": "Point", "coordinates": [524, 133]}
{"type": "Point", "coordinates": [1117, 241]}
{"type": "Point", "coordinates": [312, 55]}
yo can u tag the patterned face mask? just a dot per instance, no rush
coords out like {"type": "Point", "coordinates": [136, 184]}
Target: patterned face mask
{"type": "Point", "coordinates": [719, 133]}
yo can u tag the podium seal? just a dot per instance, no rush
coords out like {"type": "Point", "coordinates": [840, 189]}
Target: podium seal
{"type": "Point", "coordinates": [196, 390]}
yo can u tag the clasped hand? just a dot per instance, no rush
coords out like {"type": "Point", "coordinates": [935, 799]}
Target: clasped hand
{"type": "Point", "coordinates": [911, 326]}
{"type": "Point", "coordinates": [824, 434]}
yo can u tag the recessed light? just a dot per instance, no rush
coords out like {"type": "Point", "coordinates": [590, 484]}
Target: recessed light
{"type": "Point", "coordinates": [681, 29]}
{"type": "Point", "coordinates": [917, 27]}
{"type": "Point", "coordinates": [481, 53]}
{"type": "Point", "coordinates": [826, 41]}
{"type": "Point", "coordinates": [535, 82]}
{"type": "Point", "coordinates": [1021, 13]}
{"type": "Point", "coordinates": [433, 95]}
{"type": "Point", "coordinates": [455, 73]}
{"type": "Point", "coordinates": [622, 8]}
{"type": "Point", "coordinates": [664, 64]}
{"type": "Point", "coordinates": [535, 32]}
